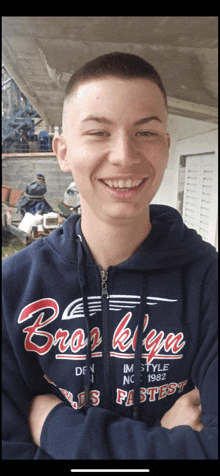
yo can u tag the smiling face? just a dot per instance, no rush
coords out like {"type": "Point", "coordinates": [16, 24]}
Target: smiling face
{"type": "Point", "coordinates": [115, 144]}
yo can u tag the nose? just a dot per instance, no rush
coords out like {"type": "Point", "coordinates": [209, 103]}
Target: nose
{"type": "Point", "coordinates": [124, 152]}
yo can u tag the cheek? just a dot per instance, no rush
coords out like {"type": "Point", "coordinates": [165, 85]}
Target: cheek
{"type": "Point", "coordinates": [83, 168]}
{"type": "Point", "coordinates": [78, 159]}
{"type": "Point", "coordinates": [87, 168]}
{"type": "Point", "coordinates": [159, 157]}
{"type": "Point", "coordinates": [157, 163]}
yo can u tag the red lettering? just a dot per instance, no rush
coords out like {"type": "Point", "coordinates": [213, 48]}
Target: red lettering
{"type": "Point", "coordinates": [78, 340]}
{"type": "Point", "coordinates": [171, 388]}
{"type": "Point", "coordinates": [130, 399]}
{"type": "Point", "coordinates": [122, 338]}
{"type": "Point", "coordinates": [33, 330]}
{"type": "Point", "coordinates": [95, 338]}
{"type": "Point", "coordinates": [146, 320]}
{"type": "Point", "coordinates": [181, 386]}
{"type": "Point", "coordinates": [73, 404]}
{"type": "Point", "coordinates": [40, 305]}
{"type": "Point", "coordinates": [65, 393]}
{"type": "Point", "coordinates": [143, 395]}
{"type": "Point", "coordinates": [28, 312]}
{"type": "Point", "coordinates": [94, 397]}
{"type": "Point", "coordinates": [69, 397]}
{"type": "Point", "coordinates": [173, 342]}
{"type": "Point", "coordinates": [121, 334]}
{"type": "Point", "coordinates": [153, 344]}
{"type": "Point", "coordinates": [49, 381]}
{"type": "Point", "coordinates": [134, 340]}
{"type": "Point", "coordinates": [152, 391]}
{"type": "Point", "coordinates": [121, 395]}
{"type": "Point", "coordinates": [62, 336]}
{"type": "Point", "coordinates": [163, 391]}
{"type": "Point", "coordinates": [81, 400]}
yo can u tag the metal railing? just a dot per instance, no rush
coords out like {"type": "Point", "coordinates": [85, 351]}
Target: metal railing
{"type": "Point", "coordinates": [20, 121]}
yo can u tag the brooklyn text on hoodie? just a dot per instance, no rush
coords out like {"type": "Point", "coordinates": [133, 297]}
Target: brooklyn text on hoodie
{"type": "Point", "coordinates": [117, 347]}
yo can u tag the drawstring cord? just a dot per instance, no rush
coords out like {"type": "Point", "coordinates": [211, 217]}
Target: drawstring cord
{"type": "Point", "coordinates": [138, 350]}
{"type": "Point", "coordinates": [82, 282]}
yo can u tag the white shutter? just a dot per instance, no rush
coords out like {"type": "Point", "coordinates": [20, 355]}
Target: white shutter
{"type": "Point", "coordinates": [200, 195]}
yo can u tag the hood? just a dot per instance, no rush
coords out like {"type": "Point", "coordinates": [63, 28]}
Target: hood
{"type": "Point", "coordinates": [169, 244]}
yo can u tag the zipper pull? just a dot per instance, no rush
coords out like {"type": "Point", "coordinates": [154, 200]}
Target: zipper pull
{"type": "Point", "coordinates": [104, 277]}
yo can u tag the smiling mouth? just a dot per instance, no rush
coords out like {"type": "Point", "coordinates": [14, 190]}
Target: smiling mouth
{"type": "Point", "coordinates": [124, 185]}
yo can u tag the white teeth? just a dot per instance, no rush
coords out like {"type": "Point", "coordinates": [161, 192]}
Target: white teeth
{"type": "Point", "coordinates": [120, 183]}
{"type": "Point", "coordinates": [123, 183]}
{"type": "Point", "coordinates": [129, 183]}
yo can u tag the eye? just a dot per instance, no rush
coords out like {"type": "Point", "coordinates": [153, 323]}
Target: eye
{"type": "Point", "coordinates": [146, 134]}
{"type": "Point", "coordinates": [98, 133]}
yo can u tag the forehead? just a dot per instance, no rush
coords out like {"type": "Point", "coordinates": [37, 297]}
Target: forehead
{"type": "Point", "coordinates": [113, 96]}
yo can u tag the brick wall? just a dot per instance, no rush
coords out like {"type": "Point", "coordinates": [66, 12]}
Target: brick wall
{"type": "Point", "coordinates": [18, 170]}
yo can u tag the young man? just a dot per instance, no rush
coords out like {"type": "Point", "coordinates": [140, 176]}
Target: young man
{"type": "Point", "coordinates": [110, 322]}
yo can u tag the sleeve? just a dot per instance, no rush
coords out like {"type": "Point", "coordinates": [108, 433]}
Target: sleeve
{"type": "Point", "coordinates": [16, 396]}
{"type": "Point", "coordinates": [205, 368]}
{"type": "Point", "coordinates": [17, 441]}
{"type": "Point", "coordinates": [102, 434]}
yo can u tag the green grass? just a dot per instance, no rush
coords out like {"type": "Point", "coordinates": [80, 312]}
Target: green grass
{"type": "Point", "coordinates": [10, 250]}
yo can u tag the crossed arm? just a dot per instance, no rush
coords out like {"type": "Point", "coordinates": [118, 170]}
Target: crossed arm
{"type": "Point", "coordinates": [186, 411]}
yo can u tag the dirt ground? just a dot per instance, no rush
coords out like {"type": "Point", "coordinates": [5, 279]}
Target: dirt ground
{"type": "Point", "coordinates": [10, 244]}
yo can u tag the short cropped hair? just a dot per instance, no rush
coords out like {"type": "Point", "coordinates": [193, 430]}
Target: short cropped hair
{"type": "Point", "coordinates": [122, 65]}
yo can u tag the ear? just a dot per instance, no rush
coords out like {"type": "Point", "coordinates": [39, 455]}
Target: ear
{"type": "Point", "coordinates": [168, 145]}
{"type": "Point", "coordinates": [168, 141]}
{"type": "Point", "coordinates": [60, 150]}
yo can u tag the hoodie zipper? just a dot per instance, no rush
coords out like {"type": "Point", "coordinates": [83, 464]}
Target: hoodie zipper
{"type": "Point", "coordinates": [105, 298]}
{"type": "Point", "coordinates": [104, 277]}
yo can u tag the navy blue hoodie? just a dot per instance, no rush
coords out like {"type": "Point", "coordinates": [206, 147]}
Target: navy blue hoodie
{"type": "Point", "coordinates": [118, 348]}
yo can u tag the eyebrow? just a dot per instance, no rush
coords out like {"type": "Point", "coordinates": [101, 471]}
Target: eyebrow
{"type": "Point", "coordinates": [145, 120]}
{"type": "Point", "coordinates": [105, 120]}
{"type": "Point", "coordinates": [97, 119]}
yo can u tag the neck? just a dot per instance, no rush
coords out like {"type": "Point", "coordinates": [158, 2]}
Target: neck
{"type": "Point", "coordinates": [112, 242]}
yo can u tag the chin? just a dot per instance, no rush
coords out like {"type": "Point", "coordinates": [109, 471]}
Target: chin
{"type": "Point", "coordinates": [124, 213]}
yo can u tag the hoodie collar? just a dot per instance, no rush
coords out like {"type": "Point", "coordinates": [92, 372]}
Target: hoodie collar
{"type": "Point", "coordinates": [169, 244]}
